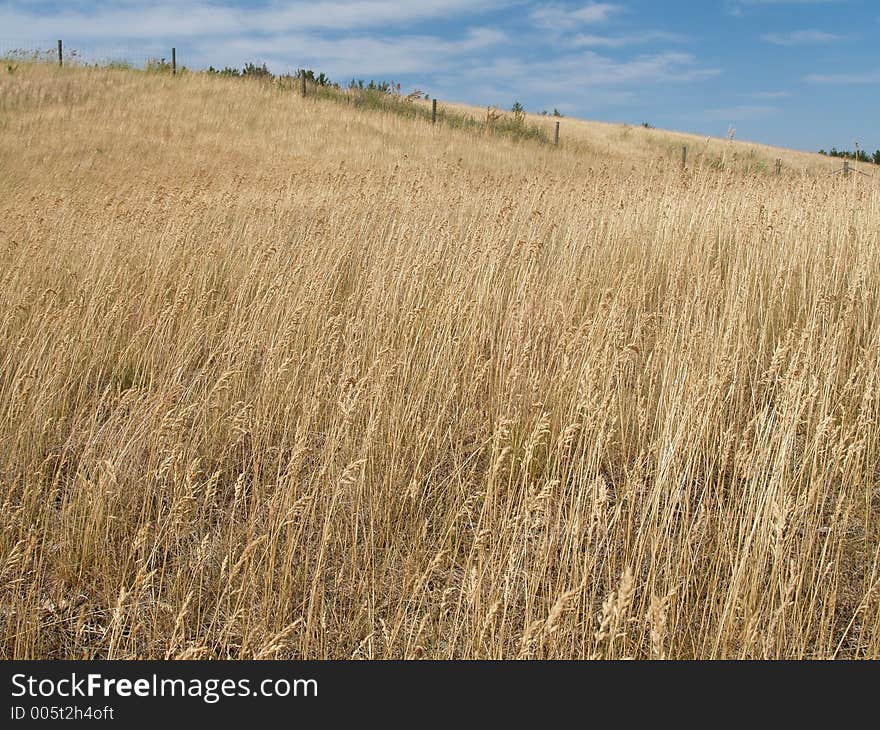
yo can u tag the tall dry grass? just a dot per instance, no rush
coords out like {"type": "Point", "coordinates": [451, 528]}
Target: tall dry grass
{"type": "Point", "coordinates": [280, 378]}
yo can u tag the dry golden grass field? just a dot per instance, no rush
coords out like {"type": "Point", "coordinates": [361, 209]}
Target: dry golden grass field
{"type": "Point", "coordinates": [285, 378]}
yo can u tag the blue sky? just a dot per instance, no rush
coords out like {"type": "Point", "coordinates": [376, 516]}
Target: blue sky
{"type": "Point", "coordinates": [794, 73]}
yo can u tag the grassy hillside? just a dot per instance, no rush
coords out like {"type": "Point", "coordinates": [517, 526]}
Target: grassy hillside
{"type": "Point", "coordinates": [281, 377]}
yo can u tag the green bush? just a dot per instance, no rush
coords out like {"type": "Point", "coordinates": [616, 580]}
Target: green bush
{"type": "Point", "coordinates": [158, 65]}
{"type": "Point", "coordinates": [860, 156]}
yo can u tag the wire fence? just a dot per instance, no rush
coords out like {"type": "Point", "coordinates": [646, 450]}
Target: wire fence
{"type": "Point", "coordinates": [192, 54]}
{"type": "Point", "coordinates": [165, 53]}
{"type": "Point", "coordinates": [86, 52]}
{"type": "Point", "coordinates": [165, 57]}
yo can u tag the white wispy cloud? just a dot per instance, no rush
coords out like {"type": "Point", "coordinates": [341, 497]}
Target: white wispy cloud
{"type": "Point", "coordinates": [561, 18]}
{"type": "Point", "coordinates": [801, 37]}
{"type": "Point", "coordinates": [757, 3]}
{"type": "Point", "coordinates": [739, 7]}
{"type": "Point", "coordinates": [366, 55]}
{"type": "Point", "coordinates": [198, 18]}
{"type": "Point", "coordinates": [853, 77]}
{"type": "Point", "coordinates": [769, 94]}
{"type": "Point", "coordinates": [591, 40]}
{"type": "Point", "coordinates": [739, 113]}
{"type": "Point", "coordinates": [587, 77]}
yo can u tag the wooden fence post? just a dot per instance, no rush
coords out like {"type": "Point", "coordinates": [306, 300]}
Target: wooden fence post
{"type": "Point", "coordinates": [173, 61]}
{"type": "Point", "coordinates": [434, 111]}
{"type": "Point", "coordinates": [556, 134]}
{"type": "Point", "coordinates": [302, 72]}
{"type": "Point", "coordinates": [684, 156]}
{"type": "Point", "coordinates": [60, 62]}
{"type": "Point", "coordinates": [778, 165]}
{"type": "Point", "coordinates": [846, 168]}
